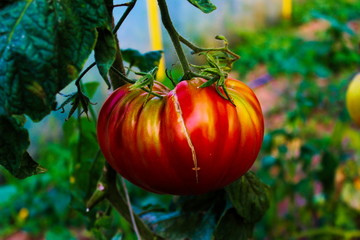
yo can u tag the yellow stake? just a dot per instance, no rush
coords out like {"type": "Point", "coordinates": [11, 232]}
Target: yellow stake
{"type": "Point", "coordinates": [286, 9]}
{"type": "Point", "coordinates": [155, 33]}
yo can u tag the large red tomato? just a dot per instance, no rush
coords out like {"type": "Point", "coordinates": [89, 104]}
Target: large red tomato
{"type": "Point", "coordinates": [191, 141]}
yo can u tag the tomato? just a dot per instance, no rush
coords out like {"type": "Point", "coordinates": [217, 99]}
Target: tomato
{"type": "Point", "coordinates": [353, 99]}
{"type": "Point", "coordinates": [190, 141]}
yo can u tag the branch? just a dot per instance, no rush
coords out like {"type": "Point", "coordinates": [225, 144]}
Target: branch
{"type": "Point", "coordinates": [175, 38]}
{"type": "Point", "coordinates": [197, 49]}
{"type": "Point", "coordinates": [108, 189]}
{"type": "Point", "coordinates": [119, 203]}
{"type": "Point", "coordinates": [118, 63]}
{"type": "Point", "coordinates": [132, 216]}
{"type": "Point", "coordinates": [77, 82]}
{"type": "Point", "coordinates": [124, 16]}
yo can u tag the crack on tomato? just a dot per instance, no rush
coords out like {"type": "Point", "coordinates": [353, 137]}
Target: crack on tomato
{"type": "Point", "coordinates": [196, 168]}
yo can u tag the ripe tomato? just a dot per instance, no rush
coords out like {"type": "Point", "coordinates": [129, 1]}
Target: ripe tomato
{"type": "Point", "coordinates": [353, 99]}
{"type": "Point", "coordinates": [191, 141]}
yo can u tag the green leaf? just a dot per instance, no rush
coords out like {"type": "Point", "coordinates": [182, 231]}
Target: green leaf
{"type": "Point", "coordinates": [14, 140]}
{"type": "Point", "coordinates": [204, 5]}
{"type": "Point", "coordinates": [105, 52]}
{"type": "Point", "coordinates": [145, 62]}
{"type": "Point", "coordinates": [194, 217]}
{"type": "Point", "coordinates": [176, 225]}
{"type": "Point", "coordinates": [151, 60]}
{"type": "Point", "coordinates": [250, 197]}
{"type": "Point", "coordinates": [43, 46]}
{"type": "Point", "coordinates": [233, 227]}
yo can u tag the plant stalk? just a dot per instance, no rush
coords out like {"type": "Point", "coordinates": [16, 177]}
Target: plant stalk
{"type": "Point", "coordinates": [119, 203]}
{"type": "Point", "coordinates": [197, 49]}
{"type": "Point", "coordinates": [124, 16]}
{"type": "Point", "coordinates": [118, 63]}
{"type": "Point", "coordinates": [175, 38]}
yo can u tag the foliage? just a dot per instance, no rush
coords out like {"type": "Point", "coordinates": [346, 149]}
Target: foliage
{"type": "Point", "coordinates": [39, 57]}
{"type": "Point", "coordinates": [204, 5]}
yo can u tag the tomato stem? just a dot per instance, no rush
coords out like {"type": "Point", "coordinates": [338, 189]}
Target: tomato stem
{"type": "Point", "coordinates": [77, 82]}
{"type": "Point", "coordinates": [118, 201]}
{"type": "Point", "coordinates": [124, 16]}
{"type": "Point", "coordinates": [118, 63]}
{"type": "Point", "coordinates": [132, 215]}
{"type": "Point", "coordinates": [175, 38]}
{"type": "Point", "coordinates": [197, 49]}
{"type": "Point", "coordinates": [125, 79]}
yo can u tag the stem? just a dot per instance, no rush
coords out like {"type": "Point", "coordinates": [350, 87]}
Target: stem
{"type": "Point", "coordinates": [175, 38]}
{"type": "Point", "coordinates": [192, 46]}
{"type": "Point", "coordinates": [78, 150]}
{"type": "Point", "coordinates": [119, 203]}
{"type": "Point", "coordinates": [77, 82]}
{"type": "Point", "coordinates": [124, 78]}
{"type": "Point", "coordinates": [132, 216]}
{"type": "Point", "coordinates": [197, 49]}
{"type": "Point", "coordinates": [124, 16]}
{"type": "Point", "coordinates": [122, 75]}
{"type": "Point", "coordinates": [201, 76]}
{"type": "Point", "coordinates": [118, 63]}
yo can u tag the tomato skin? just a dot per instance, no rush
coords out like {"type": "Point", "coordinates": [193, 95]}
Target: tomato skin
{"type": "Point", "coordinates": [191, 141]}
{"type": "Point", "coordinates": [353, 99]}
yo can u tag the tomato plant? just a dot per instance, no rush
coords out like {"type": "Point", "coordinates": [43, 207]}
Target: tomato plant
{"type": "Point", "coordinates": [197, 138]}
{"type": "Point", "coordinates": [353, 99]}
{"type": "Point", "coordinates": [190, 141]}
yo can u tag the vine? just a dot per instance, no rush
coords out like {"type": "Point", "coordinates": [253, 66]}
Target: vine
{"type": "Point", "coordinates": [218, 65]}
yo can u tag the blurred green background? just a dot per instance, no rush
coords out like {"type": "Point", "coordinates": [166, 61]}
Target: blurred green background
{"type": "Point", "coordinates": [311, 151]}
